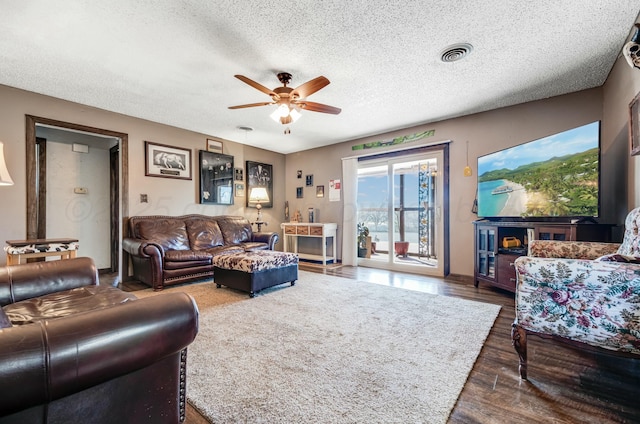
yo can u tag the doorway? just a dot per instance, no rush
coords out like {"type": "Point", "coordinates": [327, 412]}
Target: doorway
{"type": "Point", "coordinates": [113, 145]}
{"type": "Point", "coordinates": [400, 203]}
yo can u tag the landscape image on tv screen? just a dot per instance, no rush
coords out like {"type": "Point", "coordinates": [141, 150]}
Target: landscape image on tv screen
{"type": "Point", "coordinates": [555, 176]}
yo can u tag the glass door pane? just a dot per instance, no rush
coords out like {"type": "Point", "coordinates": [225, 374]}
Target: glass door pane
{"type": "Point", "coordinates": [399, 201]}
{"type": "Point", "coordinates": [373, 211]}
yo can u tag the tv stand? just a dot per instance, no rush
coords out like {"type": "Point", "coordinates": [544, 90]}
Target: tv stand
{"type": "Point", "coordinates": [494, 261]}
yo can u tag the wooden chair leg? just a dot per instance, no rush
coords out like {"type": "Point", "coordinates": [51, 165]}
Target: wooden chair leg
{"type": "Point", "coordinates": [519, 341]}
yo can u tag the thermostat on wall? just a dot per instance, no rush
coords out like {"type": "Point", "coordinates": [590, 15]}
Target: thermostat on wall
{"type": "Point", "coordinates": [80, 190]}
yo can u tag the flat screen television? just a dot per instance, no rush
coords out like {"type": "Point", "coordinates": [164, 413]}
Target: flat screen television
{"type": "Point", "coordinates": [553, 177]}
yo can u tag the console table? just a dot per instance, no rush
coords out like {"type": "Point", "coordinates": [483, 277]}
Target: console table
{"type": "Point", "coordinates": [17, 250]}
{"type": "Point", "coordinates": [315, 230]}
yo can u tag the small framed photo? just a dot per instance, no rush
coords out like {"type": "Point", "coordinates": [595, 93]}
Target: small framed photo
{"type": "Point", "coordinates": [239, 190]}
{"type": "Point", "coordinates": [299, 173]}
{"type": "Point", "coordinates": [320, 191]}
{"type": "Point", "coordinates": [634, 125]}
{"type": "Point", "coordinates": [309, 180]}
{"type": "Point", "coordinates": [298, 192]}
{"type": "Point", "coordinates": [214, 146]}
{"type": "Point", "coordinates": [166, 161]}
{"type": "Point", "coordinates": [239, 174]}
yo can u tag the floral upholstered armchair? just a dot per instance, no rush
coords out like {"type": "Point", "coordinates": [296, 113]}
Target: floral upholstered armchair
{"type": "Point", "coordinates": [583, 292]}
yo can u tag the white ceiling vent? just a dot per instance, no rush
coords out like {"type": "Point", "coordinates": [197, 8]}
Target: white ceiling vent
{"type": "Point", "coordinates": [456, 52]}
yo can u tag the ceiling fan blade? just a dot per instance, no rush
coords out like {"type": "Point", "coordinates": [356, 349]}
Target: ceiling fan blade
{"type": "Point", "coordinates": [256, 85]}
{"type": "Point", "coordinates": [317, 107]}
{"type": "Point", "coordinates": [310, 87]}
{"type": "Point", "coordinates": [251, 105]}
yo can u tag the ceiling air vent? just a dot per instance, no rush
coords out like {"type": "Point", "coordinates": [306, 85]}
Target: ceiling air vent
{"type": "Point", "coordinates": [456, 52]}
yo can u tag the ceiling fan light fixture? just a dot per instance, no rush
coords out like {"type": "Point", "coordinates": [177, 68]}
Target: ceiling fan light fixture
{"type": "Point", "coordinates": [285, 115]}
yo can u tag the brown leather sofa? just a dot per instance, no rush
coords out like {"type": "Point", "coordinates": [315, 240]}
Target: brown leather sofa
{"type": "Point", "coordinates": [168, 250]}
{"type": "Point", "coordinates": [72, 351]}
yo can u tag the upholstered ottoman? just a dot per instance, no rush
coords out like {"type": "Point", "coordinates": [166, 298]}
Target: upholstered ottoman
{"type": "Point", "coordinates": [254, 271]}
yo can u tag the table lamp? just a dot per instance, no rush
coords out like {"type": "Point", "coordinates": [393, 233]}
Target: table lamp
{"type": "Point", "coordinates": [258, 195]}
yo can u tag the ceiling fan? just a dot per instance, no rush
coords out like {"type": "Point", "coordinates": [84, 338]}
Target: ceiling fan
{"type": "Point", "coordinates": [290, 100]}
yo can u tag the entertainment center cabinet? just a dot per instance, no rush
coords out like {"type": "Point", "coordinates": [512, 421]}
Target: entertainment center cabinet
{"type": "Point", "coordinates": [494, 261]}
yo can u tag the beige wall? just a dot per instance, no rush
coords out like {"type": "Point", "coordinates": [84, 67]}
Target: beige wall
{"type": "Point", "coordinates": [166, 196]}
{"type": "Point", "coordinates": [486, 132]}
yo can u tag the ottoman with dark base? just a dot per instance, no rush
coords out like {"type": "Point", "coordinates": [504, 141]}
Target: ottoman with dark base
{"type": "Point", "coordinates": [254, 271]}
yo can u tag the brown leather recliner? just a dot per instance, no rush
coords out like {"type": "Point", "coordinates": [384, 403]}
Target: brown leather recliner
{"type": "Point", "coordinates": [72, 351]}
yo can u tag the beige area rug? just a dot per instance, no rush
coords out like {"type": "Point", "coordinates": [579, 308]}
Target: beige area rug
{"type": "Point", "coordinates": [331, 350]}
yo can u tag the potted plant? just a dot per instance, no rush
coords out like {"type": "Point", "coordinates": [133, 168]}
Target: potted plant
{"type": "Point", "coordinates": [363, 234]}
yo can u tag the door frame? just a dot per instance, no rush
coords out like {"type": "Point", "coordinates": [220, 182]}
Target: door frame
{"type": "Point", "coordinates": [444, 175]}
{"type": "Point", "coordinates": [34, 219]}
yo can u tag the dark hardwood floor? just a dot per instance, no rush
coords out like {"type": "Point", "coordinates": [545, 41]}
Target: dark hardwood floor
{"type": "Point", "coordinates": [565, 385]}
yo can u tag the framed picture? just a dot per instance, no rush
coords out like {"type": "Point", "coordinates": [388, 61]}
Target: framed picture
{"type": "Point", "coordinates": [320, 191]}
{"type": "Point", "coordinates": [299, 173]}
{"type": "Point", "coordinates": [298, 192]}
{"type": "Point", "coordinates": [216, 178]}
{"type": "Point", "coordinates": [239, 174]}
{"type": "Point", "coordinates": [239, 189]}
{"type": "Point", "coordinates": [634, 125]}
{"type": "Point", "coordinates": [166, 161]}
{"type": "Point", "coordinates": [309, 180]}
{"type": "Point", "coordinates": [259, 175]}
{"type": "Point", "coordinates": [214, 146]}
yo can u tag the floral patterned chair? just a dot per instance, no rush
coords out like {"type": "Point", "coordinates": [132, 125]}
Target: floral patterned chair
{"type": "Point", "coordinates": [583, 292]}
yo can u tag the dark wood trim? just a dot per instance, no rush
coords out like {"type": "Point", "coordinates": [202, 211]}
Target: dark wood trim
{"type": "Point", "coordinates": [32, 184]}
{"type": "Point", "coordinates": [41, 199]}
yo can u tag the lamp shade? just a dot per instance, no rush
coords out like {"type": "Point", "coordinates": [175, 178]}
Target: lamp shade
{"type": "Point", "coordinates": [5, 178]}
{"type": "Point", "coordinates": [259, 195]}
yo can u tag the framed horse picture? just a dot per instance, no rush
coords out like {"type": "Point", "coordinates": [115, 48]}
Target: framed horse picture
{"type": "Point", "coordinates": [167, 161]}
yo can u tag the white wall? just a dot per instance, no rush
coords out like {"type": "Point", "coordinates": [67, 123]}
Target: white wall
{"type": "Point", "coordinates": [82, 216]}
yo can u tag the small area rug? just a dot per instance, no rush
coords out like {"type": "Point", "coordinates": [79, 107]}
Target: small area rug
{"type": "Point", "coordinates": [331, 350]}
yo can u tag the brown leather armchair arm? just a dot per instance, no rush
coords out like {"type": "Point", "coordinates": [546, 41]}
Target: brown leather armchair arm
{"type": "Point", "coordinates": [19, 282]}
{"type": "Point", "coordinates": [270, 238]}
{"type": "Point", "coordinates": [51, 359]}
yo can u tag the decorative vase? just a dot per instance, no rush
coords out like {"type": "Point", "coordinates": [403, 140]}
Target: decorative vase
{"type": "Point", "coordinates": [401, 248]}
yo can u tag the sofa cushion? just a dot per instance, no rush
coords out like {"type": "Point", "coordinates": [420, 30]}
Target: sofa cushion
{"type": "Point", "coordinates": [171, 234]}
{"type": "Point", "coordinates": [64, 303]}
{"type": "Point", "coordinates": [235, 230]}
{"type": "Point", "coordinates": [203, 233]}
{"type": "Point", "coordinates": [255, 245]}
{"type": "Point", "coordinates": [234, 248]}
{"type": "Point", "coordinates": [4, 319]}
{"type": "Point", "coordinates": [179, 259]}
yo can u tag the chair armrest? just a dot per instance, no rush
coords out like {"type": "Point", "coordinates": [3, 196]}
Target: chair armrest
{"type": "Point", "coordinates": [588, 301]}
{"type": "Point", "coordinates": [271, 238]}
{"type": "Point", "coordinates": [25, 281]}
{"type": "Point", "coordinates": [48, 360]}
{"type": "Point", "coordinates": [143, 248]}
{"type": "Point", "coordinates": [570, 249]}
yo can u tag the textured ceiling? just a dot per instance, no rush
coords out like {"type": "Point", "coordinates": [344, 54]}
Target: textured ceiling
{"type": "Point", "coordinates": [173, 62]}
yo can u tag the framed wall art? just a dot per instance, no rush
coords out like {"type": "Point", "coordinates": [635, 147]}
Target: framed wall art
{"type": "Point", "coordinates": [214, 146]}
{"type": "Point", "coordinates": [309, 180]}
{"type": "Point", "coordinates": [259, 175]}
{"type": "Point", "coordinates": [166, 161]}
{"type": "Point", "coordinates": [239, 189]}
{"type": "Point", "coordinates": [320, 191]}
{"type": "Point", "coordinates": [634, 125]}
{"type": "Point", "coordinates": [299, 194]}
{"type": "Point", "coordinates": [216, 178]}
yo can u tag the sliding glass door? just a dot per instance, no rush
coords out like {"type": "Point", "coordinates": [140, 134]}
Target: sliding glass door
{"type": "Point", "coordinates": [400, 207]}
